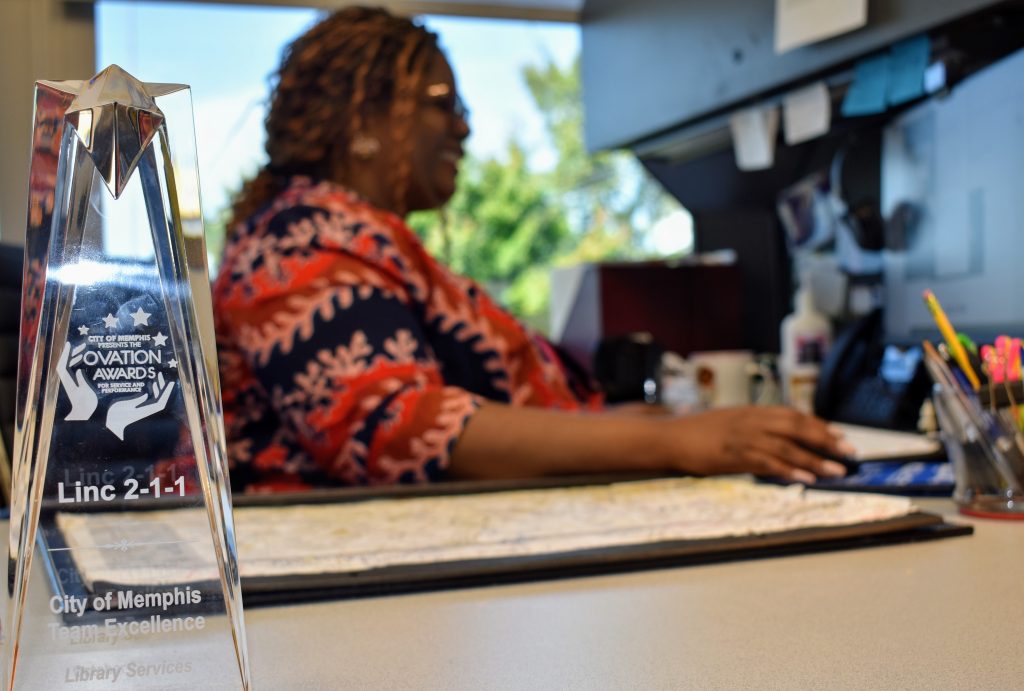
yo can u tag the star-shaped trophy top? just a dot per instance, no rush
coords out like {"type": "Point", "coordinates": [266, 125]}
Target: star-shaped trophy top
{"type": "Point", "coordinates": [115, 116]}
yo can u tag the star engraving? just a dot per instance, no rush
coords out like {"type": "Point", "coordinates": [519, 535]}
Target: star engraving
{"type": "Point", "coordinates": [110, 321]}
{"type": "Point", "coordinates": [83, 330]}
{"type": "Point", "coordinates": [115, 117]}
{"type": "Point", "coordinates": [140, 317]}
{"type": "Point", "coordinates": [160, 340]}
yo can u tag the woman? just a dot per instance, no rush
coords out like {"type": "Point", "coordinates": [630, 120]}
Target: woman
{"type": "Point", "coordinates": [349, 355]}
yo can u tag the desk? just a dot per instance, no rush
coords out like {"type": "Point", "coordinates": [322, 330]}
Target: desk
{"type": "Point", "coordinates": [939, 614]}
{"type": "Point", "coordinates": [942, 614]}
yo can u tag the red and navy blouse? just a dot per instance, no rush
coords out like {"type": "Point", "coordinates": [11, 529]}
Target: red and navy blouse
{"type": "Point", "coordinates": [349, 355]}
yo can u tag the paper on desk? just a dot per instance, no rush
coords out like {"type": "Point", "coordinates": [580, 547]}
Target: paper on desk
{"type": "Point", "coordinates": [754, 131]}
{"type": "Point", "coordinates": [354, 537]}
{"type": "Point", "coordinates": [878, 444]}
{"type": "Point", "coordinates": [806, 113]}
{"type": "Point", "coordinates": [800, 22]}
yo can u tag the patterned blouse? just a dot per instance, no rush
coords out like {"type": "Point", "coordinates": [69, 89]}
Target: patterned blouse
{"type": "Point", "coordinates": [349, 355]}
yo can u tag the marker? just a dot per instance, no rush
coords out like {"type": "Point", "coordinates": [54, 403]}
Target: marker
{"type": "Point", "coordinates": [993, 364]}
{"type": "Point", "coordinates": [971, 346]}
{"type": "Point", "coordinates": [956, 348]}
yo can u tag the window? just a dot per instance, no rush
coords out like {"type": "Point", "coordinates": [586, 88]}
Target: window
{"type": "Point", "coordinates": [226, 53]}
{"type": "Point", "coordinates": [529, 197]}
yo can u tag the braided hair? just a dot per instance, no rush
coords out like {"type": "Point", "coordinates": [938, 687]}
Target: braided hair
{"type": "Point", "coordinates": [355, 63]}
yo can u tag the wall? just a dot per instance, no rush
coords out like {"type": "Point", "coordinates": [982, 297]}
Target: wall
{"type": "Point", "coordinates": [39, 39]}
{"type": "Point", "coordinates": [652, 65]}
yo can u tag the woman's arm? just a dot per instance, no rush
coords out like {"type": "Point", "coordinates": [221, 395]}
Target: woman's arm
{"type": "Point", "coordinates": [502, 441]}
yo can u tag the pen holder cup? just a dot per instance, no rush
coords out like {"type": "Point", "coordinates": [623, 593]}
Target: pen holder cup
{"type": "Point", "coordinates": [987, 455]}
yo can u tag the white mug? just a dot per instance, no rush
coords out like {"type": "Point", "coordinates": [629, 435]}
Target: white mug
{"type": "Point", "coordinates": [724, 377]}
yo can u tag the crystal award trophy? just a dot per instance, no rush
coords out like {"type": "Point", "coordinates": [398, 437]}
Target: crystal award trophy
{"type": "Point", "coordinates": [122, 566]}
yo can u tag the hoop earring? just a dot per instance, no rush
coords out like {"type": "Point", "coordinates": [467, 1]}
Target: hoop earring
{"type": "Point", "coordinates": [364, 147]}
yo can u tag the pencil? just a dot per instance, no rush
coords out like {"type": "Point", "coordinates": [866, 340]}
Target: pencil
{"type": "Point", "coordinates": [956, 348]}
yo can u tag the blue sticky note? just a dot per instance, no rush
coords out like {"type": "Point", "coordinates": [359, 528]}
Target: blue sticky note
{"type": "Point", "coordinates": [867, 94]}
{"type": "Point", "coordinates": [907, 65]}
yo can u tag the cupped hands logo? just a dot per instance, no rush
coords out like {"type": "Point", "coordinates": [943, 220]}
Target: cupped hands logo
{"type": "Point", "coordinates": [124, 366]}
{"type": "Point", "coordinates": [83, 398]}
{"type": "Point", "coordinates": [123, 413]}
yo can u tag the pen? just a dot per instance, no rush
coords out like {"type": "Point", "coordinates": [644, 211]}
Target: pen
{"type": "Point", "coordinates": [956, 348]}
{"type": "Point", "coordinates": [956, 375]}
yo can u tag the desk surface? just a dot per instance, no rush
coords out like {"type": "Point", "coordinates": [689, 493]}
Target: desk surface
{"type": "Point", "coordinates": [942, 614]}
{"type": "Point", "coordinates": [938, 614]}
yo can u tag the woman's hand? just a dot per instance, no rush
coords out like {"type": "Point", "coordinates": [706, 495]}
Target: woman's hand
{"type": "Point", "coordinates": [769, 441]}
{"type": "Point", "coordinates": [503, 441]}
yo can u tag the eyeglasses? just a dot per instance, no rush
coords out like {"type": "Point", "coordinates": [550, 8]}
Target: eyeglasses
{"type": "Point", "coordinates": [446, 99]}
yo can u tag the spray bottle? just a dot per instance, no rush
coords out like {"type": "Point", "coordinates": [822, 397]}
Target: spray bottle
{"type": "Point", "coordinates": [806, 336]}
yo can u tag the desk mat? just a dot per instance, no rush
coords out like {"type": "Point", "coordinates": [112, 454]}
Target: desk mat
{"type": "Point", "coordinates": [390, 580]}
{"type": "Point", "coordinates": [419, 578]}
